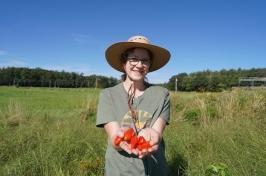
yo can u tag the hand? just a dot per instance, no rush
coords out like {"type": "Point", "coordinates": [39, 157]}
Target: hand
{"type": "Point", "coordinates": [154, 139]}
{"type": "Point", "coordinates": [122, 140]}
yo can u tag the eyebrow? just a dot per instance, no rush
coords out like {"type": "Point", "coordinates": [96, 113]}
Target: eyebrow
{"type": "Point", "coordinates": [145, 58]}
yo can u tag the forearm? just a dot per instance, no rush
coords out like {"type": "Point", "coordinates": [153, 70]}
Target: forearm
{"type": "Point", "coordinates": [111, 129]}
{"type": "Point", "coordinates": [159, 125]}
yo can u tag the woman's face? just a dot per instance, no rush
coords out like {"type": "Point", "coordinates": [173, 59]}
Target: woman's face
{"type": "Point", "coordinates": [137, 64]}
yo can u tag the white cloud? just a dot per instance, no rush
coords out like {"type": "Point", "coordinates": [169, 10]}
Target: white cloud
{"type": "Point", "coordinates": [113, 74]}
{"type": "Point", "coordinates": [13, 63]}
{"type": "Point", "coordinates": [158, 77]}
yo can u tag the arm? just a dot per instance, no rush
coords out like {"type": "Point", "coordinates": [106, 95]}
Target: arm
{"type": "Point", "coordinates": [159, 125]}
{"type": "Point", "coordinates": [111, 129]}
{"type": "Point", "coordinates": [154, 135]}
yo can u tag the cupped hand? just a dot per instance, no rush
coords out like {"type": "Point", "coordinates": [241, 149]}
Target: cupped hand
{"type": "Point", "coordinates": [153, 137]}
{"type": "Point", "coordinates": [123, 145]}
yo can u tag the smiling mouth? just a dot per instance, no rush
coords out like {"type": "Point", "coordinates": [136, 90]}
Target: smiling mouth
{"type": "Point", "coordinates": [138, 71]}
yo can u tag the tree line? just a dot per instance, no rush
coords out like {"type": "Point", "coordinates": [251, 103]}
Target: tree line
{"type": "Point", "coordinates": [38, 77]}
{"type": "Point", "coordinates": [196, 81]}
{"type": "Point", "coordinates": [215, 80]}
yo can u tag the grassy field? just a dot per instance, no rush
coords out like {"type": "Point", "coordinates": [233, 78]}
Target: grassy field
{"type": "Point", "coordinates": [52, 132]}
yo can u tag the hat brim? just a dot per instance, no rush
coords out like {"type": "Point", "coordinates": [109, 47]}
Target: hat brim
{"type": "Point", "coordinates": [160, 56]}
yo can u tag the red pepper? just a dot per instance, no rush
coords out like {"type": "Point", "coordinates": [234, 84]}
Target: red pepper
{"type": "Point", "coordinates": [134, 142]}
{"type": "Point", "coordinates": [145, 145]}
{"type": "Point", "coordinates": [141, 140]}
{"type": "Point", "coordinates": [129, 134]}
{"type": "Point", "coordinates": [118, 140]}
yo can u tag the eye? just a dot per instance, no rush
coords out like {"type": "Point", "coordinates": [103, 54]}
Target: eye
{"type": "Point", "coordinates": [146, 61]}
{"type": "Point", "coordinates": [134, 59]}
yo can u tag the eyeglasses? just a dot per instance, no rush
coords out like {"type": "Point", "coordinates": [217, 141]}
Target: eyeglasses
{"type": "Point", "coordinates": [134, 61]}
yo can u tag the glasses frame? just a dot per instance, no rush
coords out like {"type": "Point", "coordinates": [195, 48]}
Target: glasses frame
{"type": "Point", "coordinates": [135, 61]}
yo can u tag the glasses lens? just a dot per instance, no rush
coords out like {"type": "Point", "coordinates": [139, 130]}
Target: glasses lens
{"type": "Point", "coordinates": [135, 61]}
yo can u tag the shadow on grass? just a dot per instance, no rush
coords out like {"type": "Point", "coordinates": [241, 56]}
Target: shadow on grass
{"type": "Point", "coordinates": [178, 166]}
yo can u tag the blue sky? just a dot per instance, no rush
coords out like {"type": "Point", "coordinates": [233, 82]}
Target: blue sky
{"type": "Point", "coordinates": [72, 35]}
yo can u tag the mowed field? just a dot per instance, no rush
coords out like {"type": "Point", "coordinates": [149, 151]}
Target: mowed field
{"type": "Point", "coordinates": [51, 131]}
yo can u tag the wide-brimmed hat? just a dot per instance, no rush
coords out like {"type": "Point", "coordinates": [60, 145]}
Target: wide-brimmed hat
{"type": "Point", "coordinates": [113, 54]}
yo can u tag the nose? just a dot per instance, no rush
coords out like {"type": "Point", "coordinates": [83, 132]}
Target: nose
{"type": "Point", "coordinates": [140, 63]}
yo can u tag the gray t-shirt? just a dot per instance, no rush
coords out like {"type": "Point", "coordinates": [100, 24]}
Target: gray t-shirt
{"type": "Point", "coordinates": [113, 106]}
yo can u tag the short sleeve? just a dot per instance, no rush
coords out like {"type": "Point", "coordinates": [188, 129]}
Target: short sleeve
{"type": "Point", "coordinates": [105, 112]}
{"type": "Point", "coordinates": [165, 113]}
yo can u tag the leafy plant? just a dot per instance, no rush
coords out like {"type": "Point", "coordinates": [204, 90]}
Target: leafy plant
{"type": "Point", "coordinates": [192, 115]}
{"type": "Point", "coordinates": [219, 169]}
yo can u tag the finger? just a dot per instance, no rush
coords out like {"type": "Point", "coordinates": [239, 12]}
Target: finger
{"type": "Point", "coordinates": [140, 154]}
{"type": "Point", "coordinates": [134, 151]}
{"type": "Point", "coordinates": [154, 148]}
{"type": "Point", "coordinates": [150, 150]}
{"type": "Point", "coordinates": [144, 154]}
{"type": "Point", "coordinates": [152, 142]}
{"type": "Point", "coordinates": [144, 150]}
{"type": "Point", "coordinates": [125, 147]}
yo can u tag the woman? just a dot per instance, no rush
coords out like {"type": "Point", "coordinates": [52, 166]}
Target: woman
{"type": "Point", "coordinates": [135, 104]}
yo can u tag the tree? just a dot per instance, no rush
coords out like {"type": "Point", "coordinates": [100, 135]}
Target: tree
{"type": "Point", "coordinates": [44, 78]}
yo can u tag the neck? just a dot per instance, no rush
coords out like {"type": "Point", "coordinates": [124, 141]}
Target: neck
{"type": "Point", "coordinates": [138, 85]}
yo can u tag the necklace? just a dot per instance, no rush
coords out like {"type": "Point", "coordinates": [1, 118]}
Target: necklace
{"type": "Point", "coordinates": [134, 116]}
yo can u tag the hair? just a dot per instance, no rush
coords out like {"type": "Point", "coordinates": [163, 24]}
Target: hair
{"type": "Point", "coordinates": [124, 60]}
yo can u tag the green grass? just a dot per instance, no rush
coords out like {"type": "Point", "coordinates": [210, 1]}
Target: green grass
{"type": "Point", "coordinates": [52, 132]}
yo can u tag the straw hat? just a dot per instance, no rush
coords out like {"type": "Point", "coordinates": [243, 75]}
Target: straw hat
{"type": "Point", "coordinates": [113, 53]}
